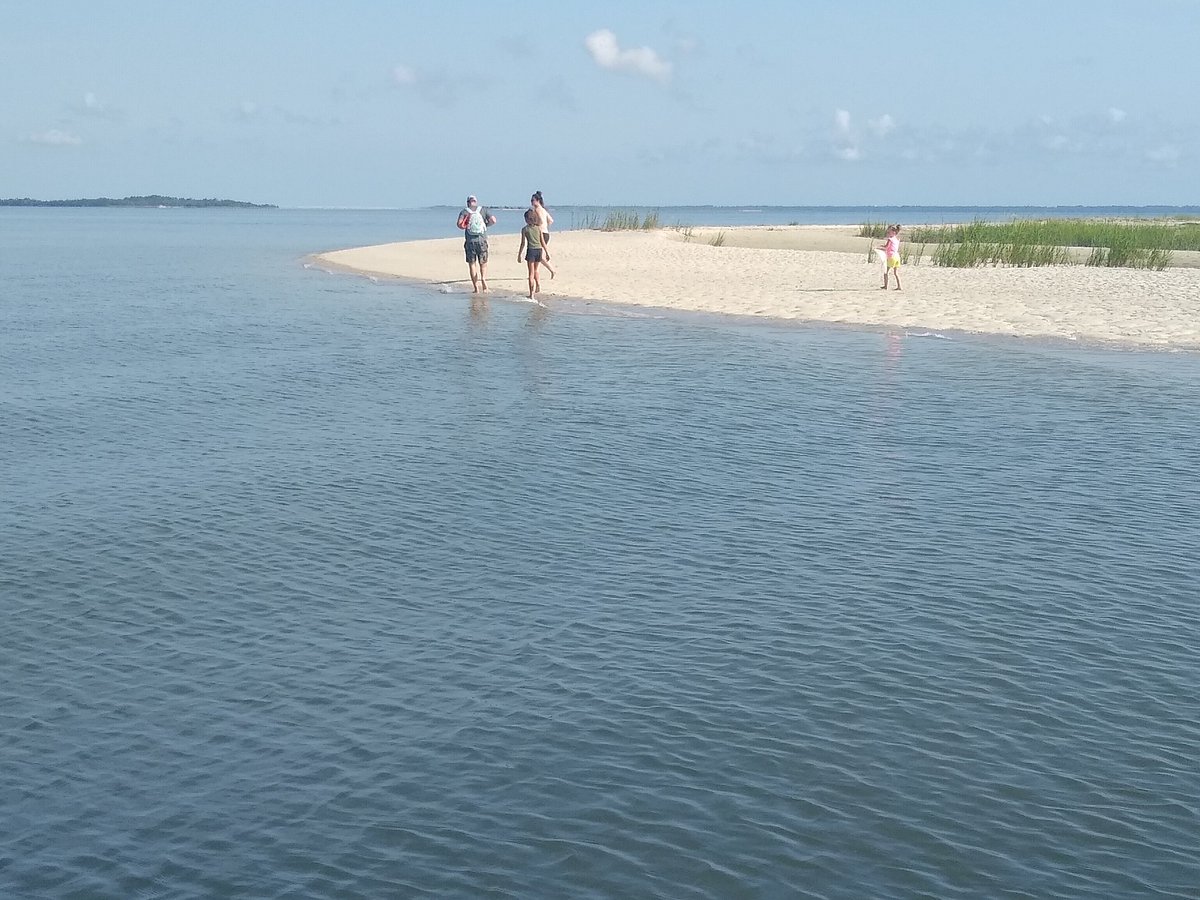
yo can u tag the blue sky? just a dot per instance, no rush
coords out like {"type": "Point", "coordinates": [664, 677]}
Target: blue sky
{"type": "Point", "coordinates": [404, 104]}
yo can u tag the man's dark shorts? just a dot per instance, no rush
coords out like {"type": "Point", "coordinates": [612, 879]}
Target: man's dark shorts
{"type": "Point", "coordinates": [476, 248]}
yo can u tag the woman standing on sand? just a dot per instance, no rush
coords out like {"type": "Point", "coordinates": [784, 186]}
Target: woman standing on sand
{"type": "Point", "coordinates": [544, 221]}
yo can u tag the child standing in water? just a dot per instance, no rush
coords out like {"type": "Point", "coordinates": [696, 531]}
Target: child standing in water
{"type": "Point", "coordinates": [891, 251]}
{"type": "Point", "coordinates": [532, 249]}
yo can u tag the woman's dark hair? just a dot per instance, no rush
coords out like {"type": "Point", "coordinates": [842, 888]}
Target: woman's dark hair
{"type": "Point", "coordinates": [537, 195]}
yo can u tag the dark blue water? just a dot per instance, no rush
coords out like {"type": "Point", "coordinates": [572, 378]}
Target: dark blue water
{"type": "Point", "coordinates": [314, 587]}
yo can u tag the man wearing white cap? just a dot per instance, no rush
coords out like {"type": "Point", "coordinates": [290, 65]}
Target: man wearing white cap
{"type": "Point", "coordinates": [474, 221]}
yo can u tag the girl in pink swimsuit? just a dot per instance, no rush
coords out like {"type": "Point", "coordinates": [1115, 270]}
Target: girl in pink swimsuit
{"type": "Point", "coordinates": [891, 250]}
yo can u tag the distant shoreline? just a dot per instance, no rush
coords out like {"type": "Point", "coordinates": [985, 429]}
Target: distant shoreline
{"type": "Point", "coordinates": [149, 201]}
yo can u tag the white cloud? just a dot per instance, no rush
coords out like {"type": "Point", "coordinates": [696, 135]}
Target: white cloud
{"type": "Point", "coordinates": [1164, 153]}
{"type": "Point", "coordinates": [440, 88]}
{"type": "Point", "coordinates": [251, 113]}
{"type": "Point", "coordinates": [845, 144]}
{"type": "Point", "coordinates": [1116, 115]}
{"type": "Point", "coordinates": [92, 106]}
{"type": "Point", "coordinates": [55, 138]}
{"type": "Point", "coordinates": [607, 54]}
{"type": "Point", "coordinates": [883, 125]}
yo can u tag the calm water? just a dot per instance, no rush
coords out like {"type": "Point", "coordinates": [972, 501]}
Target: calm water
{"type": "Point", "coordinates": [315, 587]}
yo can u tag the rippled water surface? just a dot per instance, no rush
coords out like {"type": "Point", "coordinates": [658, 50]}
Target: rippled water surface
{"type": "Point", "coordinates": [314, 587]}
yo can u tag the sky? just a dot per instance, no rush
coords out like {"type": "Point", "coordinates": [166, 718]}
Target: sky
{"type": "Point", "coordinates": [402, 104]}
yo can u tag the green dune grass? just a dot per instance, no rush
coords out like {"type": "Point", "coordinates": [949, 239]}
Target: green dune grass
{"type": "Point", "coordinates": [620, 220]}
{"type": "Point", "coordinates": [1044, 242]}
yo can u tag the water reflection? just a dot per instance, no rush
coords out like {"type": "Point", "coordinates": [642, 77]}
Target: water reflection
{"type": "Point", "coordinates": [479, 310]}
{"type": "Point", "coordinates": [538, 315]}
{"type": "Point", "coordinates": [893, 351]}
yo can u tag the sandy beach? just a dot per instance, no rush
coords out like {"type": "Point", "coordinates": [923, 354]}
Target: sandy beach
{"type": "Point", "coordinates": [818, 274]}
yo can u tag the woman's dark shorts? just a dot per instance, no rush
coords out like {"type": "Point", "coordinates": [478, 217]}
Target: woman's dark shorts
{"type": "Point", "coordinates": [476, 249]}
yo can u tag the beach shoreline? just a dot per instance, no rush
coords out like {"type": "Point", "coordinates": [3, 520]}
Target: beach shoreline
{"type": "Point", "coordinates": [814, 273]}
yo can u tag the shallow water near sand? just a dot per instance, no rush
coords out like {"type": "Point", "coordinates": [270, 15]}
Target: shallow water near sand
{"type": "Point", "coordinates": [318, 586]}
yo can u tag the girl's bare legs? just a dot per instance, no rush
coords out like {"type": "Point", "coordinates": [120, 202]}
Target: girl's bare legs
{"type": "Point", "coordinates": [532, 267]}
{"type": "Point", "coordinates": [537, 283]}
{"type": "Point", "coordinates": [896, 275]}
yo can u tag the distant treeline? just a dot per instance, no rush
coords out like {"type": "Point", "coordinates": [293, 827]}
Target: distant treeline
{"type": "Point", "coordinates": [153, 200]}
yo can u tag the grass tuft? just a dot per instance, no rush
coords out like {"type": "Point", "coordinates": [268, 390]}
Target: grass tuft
{"type": "Point", "coordinates": [873, 230]}
{"type": "Point", "coordinates": [620, 220]}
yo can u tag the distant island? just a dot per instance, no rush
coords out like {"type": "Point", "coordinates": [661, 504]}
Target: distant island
{"type": "Point", "coordinates": [153, 201]}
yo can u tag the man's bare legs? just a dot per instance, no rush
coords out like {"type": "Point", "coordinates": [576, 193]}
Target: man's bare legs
{"type": "Point", "coordinates": [478, 277]}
